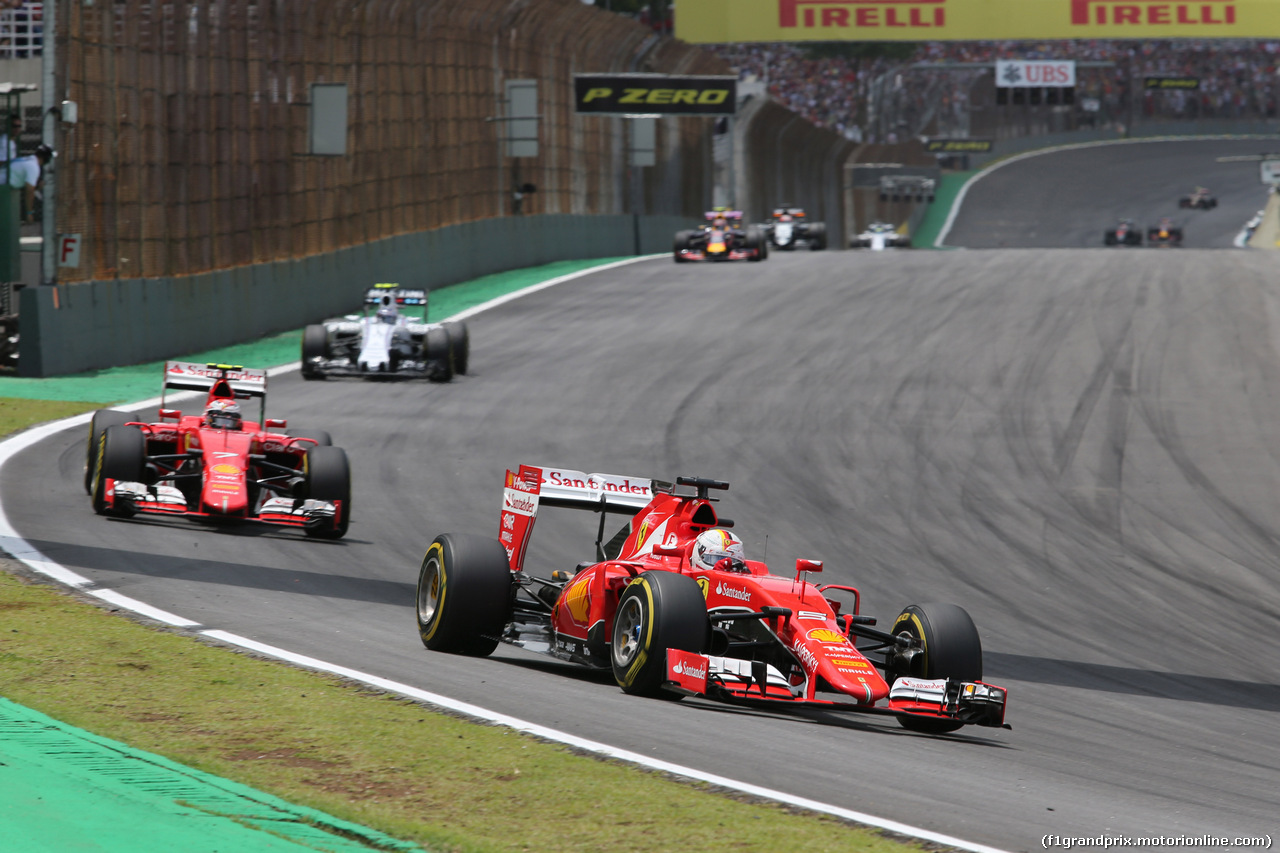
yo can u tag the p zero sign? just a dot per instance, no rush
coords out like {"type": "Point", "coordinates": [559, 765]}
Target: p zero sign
{"type": "Point", "coordinates": [1046, 73]}
{"type": "Point", "coordinates": [655, 94]}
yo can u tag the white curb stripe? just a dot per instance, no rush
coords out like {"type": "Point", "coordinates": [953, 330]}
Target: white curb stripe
{"type": "Point", "coordinates": [21, 550]}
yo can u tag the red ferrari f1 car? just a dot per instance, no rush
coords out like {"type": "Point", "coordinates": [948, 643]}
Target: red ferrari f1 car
{"type": "Point", "coordinates": [217, 465]}
{"type": "Point", "coordinates": [670, 604]}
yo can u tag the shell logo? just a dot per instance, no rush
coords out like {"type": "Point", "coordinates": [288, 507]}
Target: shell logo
{"type": "Point", "coordinates": [826, 635]}
{"type": "Point", "coordinates": [224, 468]}
{"type": "Point", "coordinates": [578, 600]}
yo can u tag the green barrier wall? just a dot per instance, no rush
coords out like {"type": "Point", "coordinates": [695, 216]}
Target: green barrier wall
{"type": "Point", "coordinates": [93, 325]}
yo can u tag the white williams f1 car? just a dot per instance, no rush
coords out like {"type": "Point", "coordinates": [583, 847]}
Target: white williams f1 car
{"type": "Point", "coordinates": [880, 236]}
{"type": "Point", "coordinates": [385, 343]}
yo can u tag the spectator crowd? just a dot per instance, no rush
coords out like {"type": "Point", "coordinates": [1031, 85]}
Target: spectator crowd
{"type": "Point", "coordinates": [852, 91]}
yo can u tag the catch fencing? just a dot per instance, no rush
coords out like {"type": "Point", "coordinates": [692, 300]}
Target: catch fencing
{"type": "Point", "coordinates": [189, 154]}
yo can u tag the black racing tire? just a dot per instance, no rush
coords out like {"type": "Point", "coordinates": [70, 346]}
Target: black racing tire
{"type": "Point", "coordinates": [122, 455]}
{"type": "Point", "coordinates": [657, 611]}
{"type": "Point", "coordinates": [102, 419]}
{"type": "Point", "coordinates": [460, 340]}
{"type": "Point", "coordinates": [439, 352]}
{"type": "Point", "coordinates": [1184, 202]}
{"type": "Point", "coordinates": [465, 589]}
{"type": "Point", "coordinates": [323, 439]}
{"type": "Point", "coordinates": [817, 236]}
{"type": "Point", "coordinates": [1109, 238]}
{"type": "Point", "coordinates": [315, 344]}
{"type": "Point", "coordinates": [328, 476]}
{"type": "Point", "coordinates": [753, 238]}
{"type": "Point", "coordinates": [951, 649]}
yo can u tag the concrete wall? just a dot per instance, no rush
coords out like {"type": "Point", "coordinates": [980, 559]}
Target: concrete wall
{"type": "Point", "coordinates": [92, 325]}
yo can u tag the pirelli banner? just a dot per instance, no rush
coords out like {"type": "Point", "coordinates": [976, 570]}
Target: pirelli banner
{"type": "Point", "coordinates": [714, 21]}
{"type": "Point", "coordinates": [655, 94]}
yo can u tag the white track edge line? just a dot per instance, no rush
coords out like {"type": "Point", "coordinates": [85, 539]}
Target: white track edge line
{"type": "Point", "coordinates": [959, 199]}
{"type": "Point", "coordinates": [22, 551]}
{"type": "Point", "coordinates": [592, 746]}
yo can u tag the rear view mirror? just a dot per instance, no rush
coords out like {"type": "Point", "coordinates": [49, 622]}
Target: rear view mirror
{"type": "Point", "coordinates": [170, 414]}
{"type": "Point", "coordinates": [808, 566]}
{"type": "Point", "coordinates": [276, 423]}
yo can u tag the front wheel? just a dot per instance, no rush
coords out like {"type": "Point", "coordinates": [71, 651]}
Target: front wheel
{"type": "Point", "coordinates": [657, 611]}
{"type": "Point", "coordinates": [817, 236]}
{"type": "Point", "coordinates": [464, 595]}
{"type": "Point", "coordinates": [102, 419]}
{"type": "Point", "coordinates": [949, 648]}
{"type": "Point", "coordinates": [329, 479]}
{"type": "Point", "coordinates": [315, 346]}
{"type": "Point", "coordinates": [439, 352]}
{"type": "Point", "coordinates": [122, 456]}
{"type": "Point", "coordinates": [460, 340]}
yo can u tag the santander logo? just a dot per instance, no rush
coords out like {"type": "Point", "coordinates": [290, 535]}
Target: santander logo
{"type": "Point", "coordinates": [689, 671]}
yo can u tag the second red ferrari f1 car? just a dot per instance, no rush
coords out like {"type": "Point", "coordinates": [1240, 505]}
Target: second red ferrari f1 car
{"type": "Point", "coordinates": [671, 604]}
{"type": "Point", "coordinates": [218, 466]}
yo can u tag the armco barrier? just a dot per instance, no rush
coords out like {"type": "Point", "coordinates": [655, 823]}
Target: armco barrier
{"type": "Point", "coordinates": [71, 328]}
{"type": "Point", "coordinates": [784, 159]}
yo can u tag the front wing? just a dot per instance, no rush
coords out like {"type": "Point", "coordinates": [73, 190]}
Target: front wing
{"type": "Point", "coordinates": [125, 498]}
{"type": "Point", "coordinates": [741, 681]}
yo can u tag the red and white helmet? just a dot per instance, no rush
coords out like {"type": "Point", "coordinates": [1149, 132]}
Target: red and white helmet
{"type": "Point", "coordinates": [223, 414]}
{"type": "Point", "coordinates": [712, 546]}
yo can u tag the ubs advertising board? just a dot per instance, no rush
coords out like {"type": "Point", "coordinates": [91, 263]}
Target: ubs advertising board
{"type": "Point", "coordinates": [715, 21]}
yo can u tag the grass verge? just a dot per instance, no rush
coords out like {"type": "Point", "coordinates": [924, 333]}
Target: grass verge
{"type": "Point", "coordinates": [358, 754]}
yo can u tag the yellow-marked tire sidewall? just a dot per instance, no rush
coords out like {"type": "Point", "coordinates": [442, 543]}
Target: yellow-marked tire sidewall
{"type": "Point", "coordinates": [428, 630]}
{"type": "Point", "coordinates": [646, 640]}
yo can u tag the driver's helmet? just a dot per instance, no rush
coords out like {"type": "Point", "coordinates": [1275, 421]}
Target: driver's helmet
{"type": "Point", "coordinates": [387, 315]}
{"type": "Point", "coordinates": [223, 414]}
{"type": "Point", "coordinates": [720, 222]}
{"type": "Point", "coordinates": [712, 546]}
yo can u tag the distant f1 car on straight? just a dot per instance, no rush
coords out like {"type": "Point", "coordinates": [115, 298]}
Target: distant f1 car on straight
{"type": "Point", "coordinates": [1200, 198]}
{"type": "Point", "coordinates": [788, 229]}
{"type": "Point", "coordinates": [880, 236]}
{"type": "Point", "coordinates": [671, 605]}
{"type": "Point", "coordinates": [1164, 233]}
{"type": "Point", "coordinates": [217, 465]}
{"type": "Point", "coordinates": [722, 238]}
{"type": "Point", "coordinates": [1124, 233]}
{"type": "Point", "coordinates": [384, 343]}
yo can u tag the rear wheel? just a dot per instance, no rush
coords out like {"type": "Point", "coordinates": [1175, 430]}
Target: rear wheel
{"type": "Point", "coordinates": [460, 339]}
{"type": "Point", "coordinates": [329, 479]}
{"type": "Point", "coordinates": [817, 236]}
{"type": "Point", "coordinates": [464, 595]}
{"type": "Point", "coordinates": [315, 345]}
{"type": "Point", "coordinates": [657, 611]}
{"type": "Point", "coordinates": [950, 648]}
{"type": "Point", "coordinates": [122, 456]}
{"type": "Point", "coordinates": [102, 419]}
{"type": "Point", "coordinates": [439, 351]}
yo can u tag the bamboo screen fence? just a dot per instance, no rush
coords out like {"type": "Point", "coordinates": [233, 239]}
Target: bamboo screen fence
{"type": "Point", "coordinates": [190, 150]}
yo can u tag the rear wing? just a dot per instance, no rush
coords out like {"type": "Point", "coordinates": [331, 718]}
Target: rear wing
{"type": "Point", "coordinates": [244, 383]}
{"type": "Point", "coordinates": [727, 214]}
{"type": "Point", "coordinates": [402, 296]}
{"type": "Point", "coordinates": [531, 486]}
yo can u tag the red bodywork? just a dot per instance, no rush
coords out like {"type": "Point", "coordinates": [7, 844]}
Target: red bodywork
{"type": "Point", "coordinates": [196, 470]}
{"type": "Point", "coordinates": [811, 656]}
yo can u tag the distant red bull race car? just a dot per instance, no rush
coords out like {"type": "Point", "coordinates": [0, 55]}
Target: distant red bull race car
{"type": "Point", "coordinates": [722, 238]}
{"type": "Point", "coordinates": [217, 465]}
{"type": "Point", "coordinates": [671, 605]}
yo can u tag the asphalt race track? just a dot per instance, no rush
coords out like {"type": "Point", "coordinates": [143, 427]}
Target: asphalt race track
{"type": "Point", "coordinates": [1068, 198]}
{"type": "Point", "coordinates": [1079, 447]}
